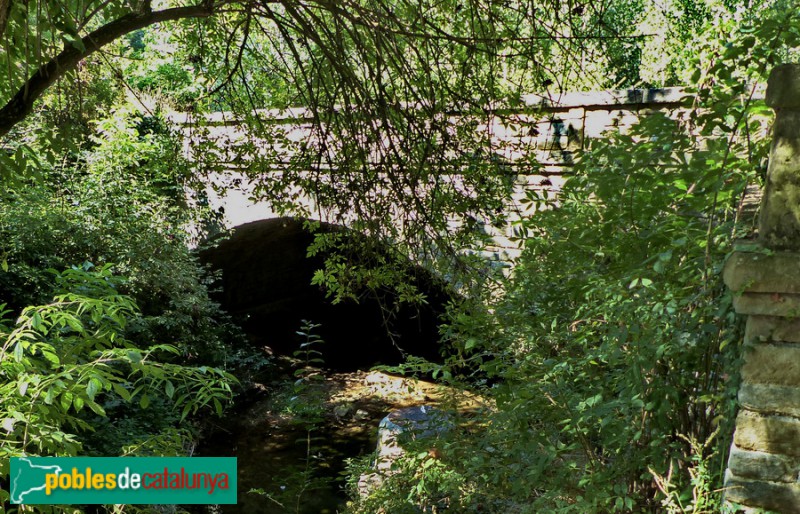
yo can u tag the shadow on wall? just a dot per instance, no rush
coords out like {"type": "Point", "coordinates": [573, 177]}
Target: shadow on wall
{"type": "Point", "coordinates": [266, 287]}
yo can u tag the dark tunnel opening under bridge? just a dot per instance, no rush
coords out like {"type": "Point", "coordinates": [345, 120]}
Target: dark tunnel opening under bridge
{"type": "Point", "coordinates": [266, 286]}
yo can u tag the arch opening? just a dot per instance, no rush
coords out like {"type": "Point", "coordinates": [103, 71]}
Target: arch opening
{"type": "Point", "coordinates": [266, 286]}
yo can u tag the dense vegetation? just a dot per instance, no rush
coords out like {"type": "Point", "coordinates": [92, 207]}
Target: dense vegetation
{"type": "Point", "coordinates": [611, 349]}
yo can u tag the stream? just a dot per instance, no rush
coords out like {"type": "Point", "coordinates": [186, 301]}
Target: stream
{"type": "Point", "coordinates": [302, 471]}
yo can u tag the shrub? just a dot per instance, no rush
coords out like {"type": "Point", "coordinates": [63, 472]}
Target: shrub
{"type": "Point", "coordinates": [65, 363]}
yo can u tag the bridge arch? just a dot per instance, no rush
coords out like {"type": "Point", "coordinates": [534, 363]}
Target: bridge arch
{"type": "Point", "coordinates": [266, 286]}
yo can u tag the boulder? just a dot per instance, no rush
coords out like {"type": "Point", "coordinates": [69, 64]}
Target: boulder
{"type": "Point", "coordinates": [411, 423]}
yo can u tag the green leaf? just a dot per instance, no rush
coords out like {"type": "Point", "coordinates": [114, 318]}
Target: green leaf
{"type": "Point", "coordinates": [51, 357]}
{"type": "Point", "coordinates": [75, 42]}
{"type": "Point", "coordinates": [134, 356]}
{"type": "Point", "coordinates": [144, 402]}
{"type": "Point", "coordinates": [18, 351]}
{"type": "Point", "coordinates": [186, 409]}
{"type": "Point", "coordinates": [122, 392]}
{"type": "Point", "coordinates": [36, 320]}
{"type": "Point", "coordinates": [66, 400]}
{"type": "Point", "coordinates": [97, 409]}
{"type": "Point", "coordinates": [93, 387]}
{"type": "Point", "coordinates": [74, 324]}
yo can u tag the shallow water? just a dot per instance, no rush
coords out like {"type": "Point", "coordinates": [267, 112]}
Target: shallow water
{"type": "Point", "coordinates": [275, 460]}
{"type": "Point", "coordinates": [273, 451]}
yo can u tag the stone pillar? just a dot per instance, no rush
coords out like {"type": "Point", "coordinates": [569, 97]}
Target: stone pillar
{"type": "Point", "coordinates": [764, 463]}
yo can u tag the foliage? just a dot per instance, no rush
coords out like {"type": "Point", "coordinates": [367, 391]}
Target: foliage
{"type": "Point", "coordinates": [131, 150]}
{"type": "Point", "coordinates": [66, 362]}
{"type": "Point", "coordinates": [115, 194]}
{"type": "Point", "coordinates": [121, 202]}
{"type": "Point", "coordinates": [244, 42]}
{"type": "Point", "coordinates": [703, 498]}
{"type": "Point", "coordinates": [304, 402]}
{"type": "Point", "coordinates": [610, 350]}
{"type": "Point", "coordinates": [420, 482]}
{"type": "Point", "coordinates": [354, 67]}
{"type": "Point", "coordinates": [611, 353]}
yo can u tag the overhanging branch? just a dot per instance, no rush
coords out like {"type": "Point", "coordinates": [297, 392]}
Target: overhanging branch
{"type": "Point", "coordinates": [21, 104]}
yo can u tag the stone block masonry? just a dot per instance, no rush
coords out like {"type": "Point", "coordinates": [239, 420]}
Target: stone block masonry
{"type": "Point", "coordinates": [764, 463]}
{"type": "Point", "coordinates": [551, 128]}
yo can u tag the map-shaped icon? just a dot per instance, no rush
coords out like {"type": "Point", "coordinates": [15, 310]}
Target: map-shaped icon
{"type": "Point", "coordinates": [27, 477]}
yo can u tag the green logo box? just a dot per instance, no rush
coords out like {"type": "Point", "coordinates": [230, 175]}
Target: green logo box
{"type": "Point", "coordinates": [123, 480]}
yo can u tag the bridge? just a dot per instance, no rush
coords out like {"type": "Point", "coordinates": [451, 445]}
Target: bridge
{"type": "Point", "coordinates": [551, 128]}
{"type": "Point", "coordinates": [764, 461]}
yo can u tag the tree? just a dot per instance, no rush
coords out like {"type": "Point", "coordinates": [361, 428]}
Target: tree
{"type": "Point", "coordinates": [602, 311]}
{"type": "Point", "coordinates": [391, 34]}
{"type": "Point", "coordinates": [614, 348]}
{"type": "Point", "coordinates": [77, 48]}
{"type": "Point", "coordinates": [381, 80]}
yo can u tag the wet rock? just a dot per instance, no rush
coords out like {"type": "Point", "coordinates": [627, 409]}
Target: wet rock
{"type": "Point", "coordinates": [411, 423]}
{"type": "Point", "coordinates": [342, 410]}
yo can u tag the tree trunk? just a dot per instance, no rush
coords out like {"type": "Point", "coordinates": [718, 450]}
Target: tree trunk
{"type": "Point", "coordinates": [5, 11]}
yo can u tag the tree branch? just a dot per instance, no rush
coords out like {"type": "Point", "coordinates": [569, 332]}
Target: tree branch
{"type": "Point", "coordinates": [21, 104]}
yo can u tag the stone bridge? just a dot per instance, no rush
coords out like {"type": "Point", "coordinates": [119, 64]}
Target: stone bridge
{"type": "Point", "coordinates": [556, 128]}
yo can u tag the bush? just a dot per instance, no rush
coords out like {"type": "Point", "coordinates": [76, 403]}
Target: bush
{"type": "Point", "coordinates": [108, 210]}
{"type": "Point", "coordinates": [612, 353]}
{"type": "Point", "coordinates": [66, 363]}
